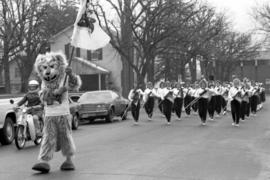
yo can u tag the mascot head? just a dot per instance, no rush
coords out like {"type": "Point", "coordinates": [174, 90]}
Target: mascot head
{"type": "Point", "coordinates": [51, 67]}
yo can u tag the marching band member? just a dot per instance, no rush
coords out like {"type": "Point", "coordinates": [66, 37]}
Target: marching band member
{"type": "Point", "coordinates": [254, 99]}
{"type": "Point", "coordinates": [167, 103]}
{"type": "Point", "coordinates": [134, 97]}
{"type": "Point", "coordinates": [178, 99]}
{"type": "Point", "coordinates": [243, 103]}
{"type": "Point", "coordinates": [224, 95]}
{"type": "Point", "coordinates": [159, 92]}
{"type": "Point", "coordinates": [203, 93]}
{"type": "Point", "coordinates": [193, 94]}
{"type": "Point", "coordinates": [187, 99]}
{"type": "Point", "coordinates": [212, 101]}
{"type": "Point", "coordinates": [219, 91]}
{"type": "Point", "coordinates": [234, 95]}
{"type": "Point", "coordinates": [261, 95]}
{"type": "Point", "coordinates": [149, 99]}
{"type": "Point", "coordinates": [247, 98]}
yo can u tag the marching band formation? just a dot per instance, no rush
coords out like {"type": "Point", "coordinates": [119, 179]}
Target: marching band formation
{"type": "Point", "coordinates": [206, 98]}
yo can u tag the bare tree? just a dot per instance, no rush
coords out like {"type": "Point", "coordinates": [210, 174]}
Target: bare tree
{"type": "Point", "coordinates": [14, 17]}
{"type": "Point", "coordinates": [262, 15]}
{"type": "Point", "coordinates": [47, 19]}
{"type": "Point", "coordinates": [148, 24]}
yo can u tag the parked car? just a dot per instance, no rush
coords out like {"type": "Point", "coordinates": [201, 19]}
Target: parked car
{"type": "Point", "coordinates": [102, 104]}
{"type": "Point", "coordinates": [74, 110]}
{"type": "Point", "coordinates": [7, 121]}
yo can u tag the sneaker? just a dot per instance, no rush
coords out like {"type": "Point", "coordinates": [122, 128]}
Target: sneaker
{"type": "Point", "coordinates": [224, 112]}
{"type": "Point", "coordinates": [203, 124]}
{"type": "Point", "coordinates": [136, 123]}
{"type": "Point", "coordinates": [233, 124]}
{"type": "Point", "coordinates": [211, 119]}
{"type": "Point", "coordinates": [149, 118]}
{"type": "Point", "coordinates": [217, 115]}
{"type": "Point", "coordinates": [237, 125]}
{"type": "Point", "coordinates": [168, 123]}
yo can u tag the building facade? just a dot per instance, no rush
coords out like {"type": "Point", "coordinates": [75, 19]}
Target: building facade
{"type": "Point", "coordinates": [257, 69]}
{"type": "Point", "coordinates": [100, 69]}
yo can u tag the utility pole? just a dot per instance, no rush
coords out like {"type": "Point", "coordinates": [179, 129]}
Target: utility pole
{"type": "Point", "coordinates": [126, 35]}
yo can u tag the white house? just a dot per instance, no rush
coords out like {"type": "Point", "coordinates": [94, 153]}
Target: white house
{"type": "Point", "coordinates": [100, 69]}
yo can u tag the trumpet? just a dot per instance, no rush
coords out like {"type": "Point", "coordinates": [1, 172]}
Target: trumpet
{"type": "Point", "coordinates": [169, 96]}
{"type": "Point", "coordinates": [238, 96]}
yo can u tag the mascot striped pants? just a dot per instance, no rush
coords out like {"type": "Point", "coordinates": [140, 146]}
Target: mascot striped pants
{"type": "Point", "coordinates": [57, 135]}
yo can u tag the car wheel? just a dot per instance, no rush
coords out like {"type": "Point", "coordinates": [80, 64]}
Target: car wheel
{"type": "Point", "coordinates": [7, 133]}
{"type": "Point", "coordinates": [109, 117]}
{"type": "Point", "coordinates": [75, 122]}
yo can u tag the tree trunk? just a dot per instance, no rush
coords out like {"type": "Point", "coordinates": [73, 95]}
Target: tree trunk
{"type": "Point", "coordinates": [126, 34]}
{"type": "Point", "coordinates": [193, 69]}
{"type": "Point", "coordinates": [167, 70]}
{"type": "Point", "coordinates": [183, 72]}
{"type": "Point", "coordinates": [6, 73]}
{"type": "Point", "coordinates": [140, 80]}
{"type": "Point", "coordinates": [151, 70]}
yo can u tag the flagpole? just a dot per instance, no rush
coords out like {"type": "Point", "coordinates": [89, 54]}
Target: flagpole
{"type": "Point", "coordinates": [69, 62]}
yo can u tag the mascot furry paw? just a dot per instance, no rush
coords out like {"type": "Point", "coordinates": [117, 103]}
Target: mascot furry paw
{"type": "Point", "coordinates": [52, 68]}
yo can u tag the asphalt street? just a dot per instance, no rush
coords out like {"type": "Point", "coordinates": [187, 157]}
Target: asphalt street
{"type": "Point", "coordinates": [153, 151]}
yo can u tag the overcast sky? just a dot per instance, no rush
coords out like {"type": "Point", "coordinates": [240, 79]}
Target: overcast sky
{"type": "Point", "coordinates": [239, 11]}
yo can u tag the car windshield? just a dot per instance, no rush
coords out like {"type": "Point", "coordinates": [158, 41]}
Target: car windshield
{"type": "Point", "coordinates": [95, 97]}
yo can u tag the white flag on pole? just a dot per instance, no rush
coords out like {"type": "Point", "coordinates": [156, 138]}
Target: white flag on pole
{"type": "Point", "coordinates": [87, 33]}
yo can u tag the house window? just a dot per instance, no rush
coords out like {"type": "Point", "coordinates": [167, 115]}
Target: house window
{"type": "Point", "coordinates": [78, 52]}
{"type": "Point", "coordinates": [17, 72]}
{"type": "Point", "coordinates": [89, 55]}
{"type": "Point", "coordinates": [67, 50]}
{"type": "Point", "coordinates": [97, 55]}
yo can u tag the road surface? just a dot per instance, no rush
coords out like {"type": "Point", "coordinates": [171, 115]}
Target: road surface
{"type": "Point", "coordinates": [155, 151]}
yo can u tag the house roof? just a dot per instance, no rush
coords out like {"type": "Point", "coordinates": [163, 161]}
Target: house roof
{"type": "Point", "coordinates": [60, 33]}
{"type": "Point", "coordinates": [97, 69]}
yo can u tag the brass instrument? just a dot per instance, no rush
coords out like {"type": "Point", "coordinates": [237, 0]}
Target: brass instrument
{"type": "Point", "coordinates": [256, 92]}
{"type": "Point", "coordinates": [238, 96]}
{"type": "Point", "coordinates": [245, 97]}
{"type": "Point", "coordinates": [169, 96]}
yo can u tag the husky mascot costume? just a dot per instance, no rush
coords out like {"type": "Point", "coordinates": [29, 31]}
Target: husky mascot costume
{"type": "Point", "coordinates": [52, 69]}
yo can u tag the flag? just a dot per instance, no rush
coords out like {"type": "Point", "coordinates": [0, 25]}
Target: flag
{"type": "Point", "coordinates": [87, 33]}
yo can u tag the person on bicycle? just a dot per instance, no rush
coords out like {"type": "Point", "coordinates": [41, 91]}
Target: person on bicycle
{"type": "Point", "coordinates": [33, 102]}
